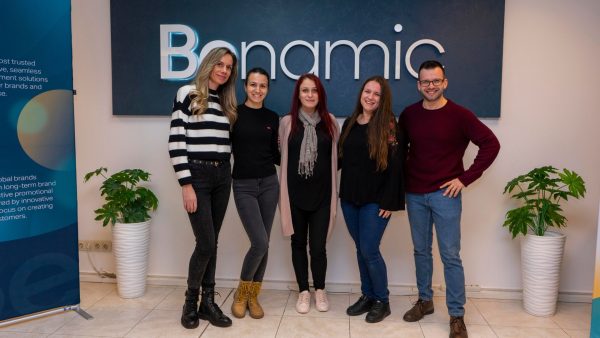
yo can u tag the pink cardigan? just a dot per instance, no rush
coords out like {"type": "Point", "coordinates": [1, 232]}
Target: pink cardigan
{"type": "Point", "coordinates": [285, 126]}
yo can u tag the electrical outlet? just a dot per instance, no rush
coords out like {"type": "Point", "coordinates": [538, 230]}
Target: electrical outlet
{"type": "Point", "coordinates": [98, 245]}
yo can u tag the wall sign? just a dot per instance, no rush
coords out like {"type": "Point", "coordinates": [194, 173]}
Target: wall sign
{"type": "Point", "coordinates": [158, 45]}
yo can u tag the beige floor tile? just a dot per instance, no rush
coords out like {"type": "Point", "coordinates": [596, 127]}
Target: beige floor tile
{"type": "Point", "coordinates": [528, 332]}
{"type": "Point", "coordinates": [479, 331]}
{"type": "Point", "coordinates": [273, 302]}
{"type": "Point", "coordinates": [221, 295]}
{"type": "Point", "coordinates": [92, 292]}
{"type": "Point", "coordinates": [245, 327]}
{"type": "Point", "coordinates": [45, 325]}
{"type": "Point", "coordinates": [399, 305]}
{"type": "Point", "coordinates": [511, 314]}
{"type": "Point", "coordinates": [435, 330]}
{"type": "Point", "coordinates": [338, 303]}
{"type": "Point", "coordinates": [164, 323]}
{"type": "Point", "coordinates": [107, 322]}
{"type": "Point", "coordinates": [21, 335]}
{"type": "Point", "coordinates": [578, 333]}
{"type": "Point", "coordinates": [154, 296]}
{"type": "Point", "coordinates": [173, 301]}
{"type": "Point", "coordinates": [477, 300]}
{"type": "Point", "coordinates": [385, 329]}
{"type": "Point", "coordinates": [574, 316]}
{"type": "Point", "coordinates": [301, 327]}
{"type": "Point", "coordinates": [69, 336]}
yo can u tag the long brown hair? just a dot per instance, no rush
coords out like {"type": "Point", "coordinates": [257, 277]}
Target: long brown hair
{"type": "Point", "coordinates": [381, 130]}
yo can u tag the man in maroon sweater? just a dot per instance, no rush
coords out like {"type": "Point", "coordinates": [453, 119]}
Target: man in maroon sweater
{"type": "Point", "coordinates": [437, 132]}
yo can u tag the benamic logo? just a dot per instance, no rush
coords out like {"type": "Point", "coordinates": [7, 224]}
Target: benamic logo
{"type": "Point", "coordinates": [168, 52]}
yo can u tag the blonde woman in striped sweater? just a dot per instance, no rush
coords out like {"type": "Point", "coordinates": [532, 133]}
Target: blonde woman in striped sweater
{"type": "Point", "coordinates": [200, 148]}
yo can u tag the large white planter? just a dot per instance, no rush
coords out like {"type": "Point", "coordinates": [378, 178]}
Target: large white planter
{"type": "Point", "coordinates": [540, 258]}
{"type": "Point", "coordinates": [131, 245]}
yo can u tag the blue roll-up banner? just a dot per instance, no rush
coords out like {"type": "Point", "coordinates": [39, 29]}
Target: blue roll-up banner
{"type": "Point", "coordinates": [39, 267]}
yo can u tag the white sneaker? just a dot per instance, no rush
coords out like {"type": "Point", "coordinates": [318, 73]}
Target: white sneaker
{"type": "Point", "coordinates": [321, 301]}
{"type": "Point", "coordinates": [303, 303]}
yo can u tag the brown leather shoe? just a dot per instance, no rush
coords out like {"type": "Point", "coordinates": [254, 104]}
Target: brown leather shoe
{"type": "Point", "coordinates": [458, 328]}
{"type": "Point", "coordinates": [419, 310]}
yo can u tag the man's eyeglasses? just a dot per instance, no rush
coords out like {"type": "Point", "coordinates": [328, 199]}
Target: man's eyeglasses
{"type": "Point", "coordinates": [436, 82]}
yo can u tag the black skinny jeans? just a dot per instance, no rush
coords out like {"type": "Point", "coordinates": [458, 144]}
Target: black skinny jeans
{"type": "Point", "coordinates": [212, 186]}
{"type": "Point", "coordinates": [312, 226]}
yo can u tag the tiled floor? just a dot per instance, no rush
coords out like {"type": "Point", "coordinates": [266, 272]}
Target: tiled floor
{"type": "Point", "coordinates": [157, 315]}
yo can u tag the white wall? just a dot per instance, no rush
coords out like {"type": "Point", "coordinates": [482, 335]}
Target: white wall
{"type": "Point", "coordinates": [550, 115]}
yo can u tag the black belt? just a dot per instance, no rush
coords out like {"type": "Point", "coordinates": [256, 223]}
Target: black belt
{"type": "Point", "coordinates": [212, 163]}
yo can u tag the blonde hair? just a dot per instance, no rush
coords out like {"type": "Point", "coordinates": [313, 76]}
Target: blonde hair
{"type": "Point", "coordinates": [226, 91]}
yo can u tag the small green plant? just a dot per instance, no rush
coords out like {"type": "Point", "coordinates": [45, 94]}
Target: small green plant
{"type": "Point", "coordinates": [125, 201]}
{"type": "Point", "coordinates": [541, 191]}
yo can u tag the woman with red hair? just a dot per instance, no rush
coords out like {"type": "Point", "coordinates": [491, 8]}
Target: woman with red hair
{"type": "Point", "coordinates": [308, 136]}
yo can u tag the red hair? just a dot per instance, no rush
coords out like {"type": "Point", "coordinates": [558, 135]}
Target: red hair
{"type": "Point", "coordinates": [321, 106]}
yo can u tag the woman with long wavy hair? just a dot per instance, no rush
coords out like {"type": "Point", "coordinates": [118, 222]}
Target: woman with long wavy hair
{"type": "Point", "coordinates": [308, 198]}
{"type": "Point", "coordinates": [200, 149]}
{"type": "Point", "coordinates": [370, 189]}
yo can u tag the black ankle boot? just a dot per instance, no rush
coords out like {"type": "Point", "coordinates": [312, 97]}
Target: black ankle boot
{"type": "Point", "coordinates": [189, 317]}
{"type": "Point", "coordinates": [378, 312]}
{"type": "Point", "coordinates": [210, 311]}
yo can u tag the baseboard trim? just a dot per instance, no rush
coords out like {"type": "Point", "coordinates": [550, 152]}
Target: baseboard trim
{"type": "Point", "coordinates": [473, 291]}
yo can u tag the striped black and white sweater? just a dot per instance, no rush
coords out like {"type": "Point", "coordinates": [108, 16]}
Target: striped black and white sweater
{"type": "Point", "coordinates": [199, 137]}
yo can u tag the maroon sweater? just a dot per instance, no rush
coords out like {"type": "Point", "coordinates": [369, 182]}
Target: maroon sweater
{"type": "Point", "coordinates": [437, 140]}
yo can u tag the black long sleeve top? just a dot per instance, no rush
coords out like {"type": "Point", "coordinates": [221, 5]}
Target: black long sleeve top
{"type": "Point", "coordinates": [361, 183]}
{"type": "Point", "coordinates": [254, 143]}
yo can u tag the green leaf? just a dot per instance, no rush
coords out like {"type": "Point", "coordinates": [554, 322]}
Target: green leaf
{"type": "Point", "coordinates": [574, 183]}
{"type": "Point", "coordinates": [519, 220]}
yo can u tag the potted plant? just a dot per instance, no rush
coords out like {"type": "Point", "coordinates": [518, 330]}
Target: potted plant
{"type": "Point", "coordinates": [127, 206]}
{"type": "Point", "coordinates": [540, 192]}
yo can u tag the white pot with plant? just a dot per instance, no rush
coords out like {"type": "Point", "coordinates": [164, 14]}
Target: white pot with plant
{"type": "Point", "coordinates": [127, 207]}
{"type": "Point", "coordinates": [540, 192]}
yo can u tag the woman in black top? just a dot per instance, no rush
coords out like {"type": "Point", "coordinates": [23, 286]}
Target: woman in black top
{"type": "Point", "coordinates": [255, 186]}
{"type": "Point", "coordinates": [308, 200]}
{"type": "Point", "coordinates": [370, 189]}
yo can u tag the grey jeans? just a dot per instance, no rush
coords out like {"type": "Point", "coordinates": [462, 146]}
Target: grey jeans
{"type": "Point", "coordinates": [256, 202]}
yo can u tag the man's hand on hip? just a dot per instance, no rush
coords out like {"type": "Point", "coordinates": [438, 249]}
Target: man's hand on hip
{"type": "Point", "coordinates": [452, 187]}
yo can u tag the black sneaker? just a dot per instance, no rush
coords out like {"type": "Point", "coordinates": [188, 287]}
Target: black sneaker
{"type": "Point", "coordinates": [362, 305]}
{"type": "Point", "coordinates": [378, 312]}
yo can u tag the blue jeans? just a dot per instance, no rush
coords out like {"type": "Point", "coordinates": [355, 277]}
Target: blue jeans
{"type": "Point", "coordinates": [425, 210]}
{"type": "Point", "coordinates": [367, 228]}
